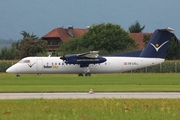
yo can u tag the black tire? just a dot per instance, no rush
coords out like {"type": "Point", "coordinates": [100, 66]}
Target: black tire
{"type": "Point", "coordinates": [88, 74]}
{"type": "Point", "coordinates": [80, 74]}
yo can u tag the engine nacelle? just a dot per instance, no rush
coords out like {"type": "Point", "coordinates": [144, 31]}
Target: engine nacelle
{"type": "Point", "coordinates": [82, 61]}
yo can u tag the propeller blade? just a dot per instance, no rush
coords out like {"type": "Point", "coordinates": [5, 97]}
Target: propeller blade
{"type": "Point", "coordinates": [63, 57]}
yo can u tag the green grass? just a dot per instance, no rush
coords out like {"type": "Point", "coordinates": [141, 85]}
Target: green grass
{"type": "Point", "coordinates": [90, 109]}
{"type": "Point", "coordinates": [98, 82]}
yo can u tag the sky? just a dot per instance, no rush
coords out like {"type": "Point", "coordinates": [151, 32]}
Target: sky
{"type": "Point", "coordinates": [41, 16]}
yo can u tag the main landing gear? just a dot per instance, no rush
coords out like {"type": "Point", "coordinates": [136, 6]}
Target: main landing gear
{"type": "Point", "coordinates": [86, 74]}
{"type": "Point", "coordinates": [86, 71]}
{"type": "Point", "coordinates": [80, 74]}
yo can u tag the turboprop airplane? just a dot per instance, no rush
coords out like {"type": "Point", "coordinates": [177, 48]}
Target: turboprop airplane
{"type": "Point", "coordinates": [90, 62]}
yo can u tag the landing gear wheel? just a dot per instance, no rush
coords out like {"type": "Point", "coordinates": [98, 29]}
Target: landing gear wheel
{"type": "Point", "coordinates": [88, 74]}
{"type": "Point", "coordinates": [17, 75]}
{"type": "Point", "coordinates": [80, 74]}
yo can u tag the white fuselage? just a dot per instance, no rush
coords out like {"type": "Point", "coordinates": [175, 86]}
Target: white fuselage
{"type": "Point", "coordinates": [54, 65]}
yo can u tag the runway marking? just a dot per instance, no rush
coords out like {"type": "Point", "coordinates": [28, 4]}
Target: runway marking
{"type": "Point", "coordinates": [128, 95]}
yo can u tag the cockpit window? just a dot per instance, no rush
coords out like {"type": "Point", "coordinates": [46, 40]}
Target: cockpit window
{"type": "Point", "coordinates": [24, 61]}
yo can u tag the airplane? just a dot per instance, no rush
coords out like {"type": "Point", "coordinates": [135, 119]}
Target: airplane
{"type": "Point", "coordinates": [91, 63]}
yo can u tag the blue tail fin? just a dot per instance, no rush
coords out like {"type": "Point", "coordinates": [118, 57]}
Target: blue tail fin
{"type": "Point", "coordinates": [158, 44]}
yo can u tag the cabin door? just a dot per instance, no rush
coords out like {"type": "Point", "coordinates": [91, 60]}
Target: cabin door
{"type": "Point", "coordinates": [39, 65]}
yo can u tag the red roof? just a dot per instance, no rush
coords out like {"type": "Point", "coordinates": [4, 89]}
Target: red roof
{"type": "Point", "coordinates": [138, 37]}
{"type": "Point", "coordinates": [63, 34]}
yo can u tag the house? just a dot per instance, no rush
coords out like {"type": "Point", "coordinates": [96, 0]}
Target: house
{"type": "Point", "coordinates": [60, 34]}
{"type": "Point", "coordinates": [138, 37]}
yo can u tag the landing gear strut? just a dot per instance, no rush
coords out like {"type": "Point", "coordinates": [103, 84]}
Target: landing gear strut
{"type": "Point", "coordinates": [87, 71]}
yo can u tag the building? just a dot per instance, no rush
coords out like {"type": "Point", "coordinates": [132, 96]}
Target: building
{"type": "Point", "coordinates": [138, 37]}
{"type": "Point", "coordinates": [60, 34]}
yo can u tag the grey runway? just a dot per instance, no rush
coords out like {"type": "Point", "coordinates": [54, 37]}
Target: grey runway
{"type": "Point", "coordinates": [123, 95]}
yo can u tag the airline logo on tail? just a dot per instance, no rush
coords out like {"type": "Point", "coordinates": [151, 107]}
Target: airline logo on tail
{"type": "Point", "coordinates": [157, 47]}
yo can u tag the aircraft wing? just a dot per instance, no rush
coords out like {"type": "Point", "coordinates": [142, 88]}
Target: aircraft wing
{"type": "Point", "coordinates": [90, 54]}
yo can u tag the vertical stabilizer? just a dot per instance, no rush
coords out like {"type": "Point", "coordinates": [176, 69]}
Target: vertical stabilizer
{"type": "Point", "coordinates": [158, 44]}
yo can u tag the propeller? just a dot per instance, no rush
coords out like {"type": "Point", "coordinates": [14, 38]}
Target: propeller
{"type": "Point", "coordinates": [63, 57]}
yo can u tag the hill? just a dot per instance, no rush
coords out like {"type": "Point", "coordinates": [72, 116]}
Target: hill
{"type": "Point", "coordinates": [4, 42]}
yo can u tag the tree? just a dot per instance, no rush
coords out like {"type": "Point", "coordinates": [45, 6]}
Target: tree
{"type": "Point", "coordinates": [4, 53]}
{"type": "Point", "coordinates": [173, 52]}
{"type": "Point", "coordinates": [31, 47]}
{"type": "Point", "coordinates": [9, 53]}
{"type": "Point", "coordinates": [26, 34]}
{"type": "Point", "coordinates": [106, 38]}
{"type": "Point", "coordinates": [136, 28]}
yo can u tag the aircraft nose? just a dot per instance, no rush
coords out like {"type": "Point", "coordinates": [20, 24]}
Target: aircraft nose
{"type": "Point", "coordinates": [12, 69]}
{"type": "Point", "coordinates": [8, 70]}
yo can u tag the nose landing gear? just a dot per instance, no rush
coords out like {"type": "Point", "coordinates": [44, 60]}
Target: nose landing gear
{"type": "Point", "coordinates": [17, 75]}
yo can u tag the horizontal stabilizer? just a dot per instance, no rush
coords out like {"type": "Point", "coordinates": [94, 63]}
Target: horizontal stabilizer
{"type": "Point", "coordinates": [167, 29]}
